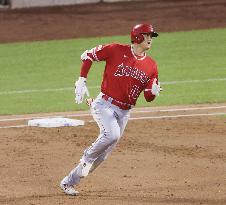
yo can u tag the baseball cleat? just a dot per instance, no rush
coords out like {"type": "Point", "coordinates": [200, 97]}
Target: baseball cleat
{"type": "Point", "coordinates": [69, 190]}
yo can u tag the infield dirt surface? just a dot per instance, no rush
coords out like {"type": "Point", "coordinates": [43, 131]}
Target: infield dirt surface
{"type": "Point", "coordinates": [162, 161]}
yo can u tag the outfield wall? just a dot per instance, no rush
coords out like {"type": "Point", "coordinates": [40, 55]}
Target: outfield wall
{"type": "Point", "coordinates": [43, 3]}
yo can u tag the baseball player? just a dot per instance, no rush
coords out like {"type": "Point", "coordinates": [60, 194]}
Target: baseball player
{"type": "Point", "coordinates": [128, 72]}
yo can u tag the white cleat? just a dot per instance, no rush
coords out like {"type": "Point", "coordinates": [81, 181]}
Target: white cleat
{"type": "Point", "coordinates": [69, 190]}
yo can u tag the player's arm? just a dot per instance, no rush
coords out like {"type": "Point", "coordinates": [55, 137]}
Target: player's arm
{"type": "Point", "coordinates": [153, 87]}
{"type": "Point", "coordinates": [98, 53]}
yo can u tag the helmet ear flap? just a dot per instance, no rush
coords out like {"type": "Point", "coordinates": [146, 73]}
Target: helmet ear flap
{"type": "Point", "coordinates": [136, 37]}
{"type": "Point", "coordinates": [136, 33]}
{"type": "Point", "coordinates": [139, 38]}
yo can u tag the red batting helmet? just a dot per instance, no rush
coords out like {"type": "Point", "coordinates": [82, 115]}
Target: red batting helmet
{"type": "Point", "coordinates": [138, 30]}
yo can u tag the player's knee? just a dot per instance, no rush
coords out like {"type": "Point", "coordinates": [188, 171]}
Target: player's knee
{"type": "Point", "coordinates": [113, 136]}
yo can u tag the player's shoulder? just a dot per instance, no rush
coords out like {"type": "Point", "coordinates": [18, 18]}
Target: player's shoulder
{"type": "Point", "coordinates": [151, 60]}
{"type": "Point", "coordinates": [152, 63]}
{"type": "Point", "coordinates": [118, 46]}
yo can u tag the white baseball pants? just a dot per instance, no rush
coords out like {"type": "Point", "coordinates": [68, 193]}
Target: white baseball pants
{"type": "Point", "coordinates": [112, 121]}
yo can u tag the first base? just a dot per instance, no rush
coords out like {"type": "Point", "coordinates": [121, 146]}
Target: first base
{"type": "Point", "coordinates": [55, 122]}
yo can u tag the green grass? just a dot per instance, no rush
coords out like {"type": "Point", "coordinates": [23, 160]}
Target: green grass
{"type": "Point", "coordinates": [194, 55]}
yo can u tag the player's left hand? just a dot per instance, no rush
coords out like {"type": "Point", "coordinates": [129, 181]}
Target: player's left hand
{"type": "Point", "coordinates": [80, 90]}
{"type": "Point", "coordinates": [155, 90]}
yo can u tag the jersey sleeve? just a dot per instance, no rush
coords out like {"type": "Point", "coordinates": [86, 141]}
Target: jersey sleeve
{"type": "Point", "coordinates": [98, 53]}
{"type": "Point", "coordinates": [147, 91]}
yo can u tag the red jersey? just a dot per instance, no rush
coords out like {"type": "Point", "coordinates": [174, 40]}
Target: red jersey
{"type": "Point", "coordinates": [126, 75]}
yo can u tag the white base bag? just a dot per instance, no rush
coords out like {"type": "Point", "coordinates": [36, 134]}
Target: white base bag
{"type": "Point", "coordinates": [55, 122]}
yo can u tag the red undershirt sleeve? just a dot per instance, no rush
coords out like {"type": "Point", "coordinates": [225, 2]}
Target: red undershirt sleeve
{"type": "Point", "coordinates": [86, 65]}
{"type": "Point", "coordinates": [147, 94]}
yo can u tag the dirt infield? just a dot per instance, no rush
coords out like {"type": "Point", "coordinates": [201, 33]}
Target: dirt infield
{"type": "Point", "coordinates": [175, 157]}
{"type": "Point", "coordinates": [167, 156]}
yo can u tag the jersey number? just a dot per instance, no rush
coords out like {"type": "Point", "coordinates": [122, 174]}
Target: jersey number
{"type": "Point", "coordinates": [134, 92]}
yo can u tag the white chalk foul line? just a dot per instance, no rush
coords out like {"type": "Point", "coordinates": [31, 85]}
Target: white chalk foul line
{"type": "Point", "coordinates": [179, 109]}
{"type": "Point", "coordinates": [193, 81]}
{"type": "Point", "coordinates": [14, 126]}
{"type": "Point", "coordinates": [144, 110]}
{"type": "Point", "coordinates": [94, 87]}
{"type": "Point", "coordinates": [35, 91]}
{"type": "Point", "coordinates": [145, 118]}
{"type": "Point", "coordinates": [177, 116]}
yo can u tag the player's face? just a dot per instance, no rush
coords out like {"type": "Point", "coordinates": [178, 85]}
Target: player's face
{"type": "Point", "coordinates": [146, 44]}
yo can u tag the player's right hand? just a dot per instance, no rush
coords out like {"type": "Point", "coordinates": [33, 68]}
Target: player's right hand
{"type": "Point", "coordinates": [80, 90]}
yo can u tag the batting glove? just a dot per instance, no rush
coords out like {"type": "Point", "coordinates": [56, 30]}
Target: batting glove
{"type": "Point", "coordinates": [155, 90]}
{"type": "Point", "coordinates": [80, 90]}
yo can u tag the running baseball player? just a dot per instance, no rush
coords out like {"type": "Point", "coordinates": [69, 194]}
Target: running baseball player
{"type": "Point", "coordinates": [128, 72]}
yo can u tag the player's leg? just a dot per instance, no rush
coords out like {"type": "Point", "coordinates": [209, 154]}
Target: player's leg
{"type": "Point", "coordinates": [109, 131]}
{"type": "Point", "coordinates": [122, 120]}
{"type": "Point", "coordinates": [102, 158]}
{"type": "Point", "coordinates": [109, 135]}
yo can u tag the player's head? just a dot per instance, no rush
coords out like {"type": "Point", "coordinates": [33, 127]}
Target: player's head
{"type": "Point", "coordinates": [139, 32]}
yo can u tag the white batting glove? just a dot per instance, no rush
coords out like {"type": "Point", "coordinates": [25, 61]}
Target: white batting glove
{"type": "Point", "coordinates": [80, 90]}
{"type": "Point", "coordinates": [155, 90]}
